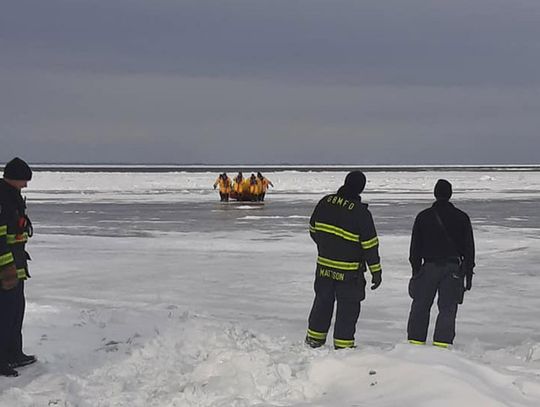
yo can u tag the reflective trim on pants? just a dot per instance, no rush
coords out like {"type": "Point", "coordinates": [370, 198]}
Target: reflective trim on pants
{"type": "Point", "coordinates": [343, 343]}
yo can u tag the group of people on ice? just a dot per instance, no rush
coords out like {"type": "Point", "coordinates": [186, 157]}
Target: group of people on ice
{"type": "Point", "coordinates": [242, 189]}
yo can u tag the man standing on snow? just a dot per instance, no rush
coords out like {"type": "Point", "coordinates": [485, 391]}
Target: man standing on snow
{"type": "Point", "coordinates": [15, 229]}
{"type": "Point", "coordinates": [442, 260]}
{"type": "Point", "coordinates": [342, 227]}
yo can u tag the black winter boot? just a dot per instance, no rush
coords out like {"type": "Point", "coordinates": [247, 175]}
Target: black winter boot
{"type": "Point", "coordinates": [7, 370]}
{"type": "Point", "coordinates": [22, 360]}
{"type": "Point", "coordinates": [313, 343]}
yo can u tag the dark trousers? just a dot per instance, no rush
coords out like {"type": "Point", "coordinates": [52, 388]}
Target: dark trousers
{"type": "Point", "coordinates": [12, 305]}
{"type": "Point", "coordinates": [435, 278]}
{"type": "Point", "coordinates": [224, 197]}
{"type": "Point", "coordinates": [348, 295]}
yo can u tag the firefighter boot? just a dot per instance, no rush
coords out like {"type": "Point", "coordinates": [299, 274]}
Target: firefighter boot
{"type": "Point", "coordinates": [22, 360]}
{"type": "Point", "coordinates": [7, 370]}
{"type": "Point", "coordinates": [314, 343]}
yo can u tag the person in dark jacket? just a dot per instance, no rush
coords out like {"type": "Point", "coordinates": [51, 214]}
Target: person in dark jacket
{"type": "Point", "coordinates": [442, 260]}
{"type": "Point", "coordinates": [347, 244]}
{"type": "Point", "coordinates": [15, 229]}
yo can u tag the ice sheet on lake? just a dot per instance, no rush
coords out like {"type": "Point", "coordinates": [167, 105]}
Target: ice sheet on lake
{"type": "Point", "coordinates": [147, 292]}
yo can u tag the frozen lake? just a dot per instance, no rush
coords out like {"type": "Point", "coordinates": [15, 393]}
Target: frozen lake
{"type": "Point", "coordinates": [121, 258]}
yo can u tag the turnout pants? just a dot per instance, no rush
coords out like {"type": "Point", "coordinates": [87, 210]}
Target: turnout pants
{"type": "Point", "coordinates": [445, 280]}
{"type": "Point", "coordinates": [348, 295]}
{"type": "Point", "coordinates": [12, 305]}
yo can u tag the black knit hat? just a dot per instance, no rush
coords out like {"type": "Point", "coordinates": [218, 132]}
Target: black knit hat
{"type": "Point", "coordinates": [355, 181]}
{"type": "Point", "coordinates": [17, 170]}
{"type": "Point", "coordinates": [443, 190]}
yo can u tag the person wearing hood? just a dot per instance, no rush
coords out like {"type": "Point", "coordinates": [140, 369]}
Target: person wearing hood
{"type": "Point", "coordinates": [265, 182]}
{"type": "Point", "coordinates": [347, 244]}
{"type": "Point", "coordinates": [238, 186]}
{"type": "Point", "coordinates": [15, 229]}
{"type": "Point", "coordinates": [442, 260]}
{"type": "Point", "coordinates": [254, 188]}
{"type": "Point", "coordinates": [225, 186]}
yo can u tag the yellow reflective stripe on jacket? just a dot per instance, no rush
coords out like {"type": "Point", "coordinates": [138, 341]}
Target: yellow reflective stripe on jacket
{"type": "Point", "coordinates": [21, 274]}
{"type": "Point", "coordinates": [375, 268]}
{"type": "Point", "coordinates": [325, 227]}
{"type": "Point", "coordinates": [312, 229]}
{"type": "Point", "coordinates": [342, 343]}
{"type": "Point", "coordinates": [6, 259]}
{"type": "Point", "coordinates": [341, 265]}
{"type": "Point", "coordinates": [3, 230]}
{"type": "Point", "coordinates": [13, 239]}
{"type": "Point", "coordinates": [316, 335]}
{"type": "Point", "coordinates": [368, 244]}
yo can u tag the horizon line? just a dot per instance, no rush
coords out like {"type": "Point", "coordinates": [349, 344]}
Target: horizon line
{"type": "Point", "coordinates": [310, 165]}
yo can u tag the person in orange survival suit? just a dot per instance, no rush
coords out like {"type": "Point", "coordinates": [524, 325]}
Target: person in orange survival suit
{"type": "Point", "coordinates": [264, 185]}
{"type": "Point", "coordinates": [15, 229]}
{"type": "Point", "coordinates": [225, 186]}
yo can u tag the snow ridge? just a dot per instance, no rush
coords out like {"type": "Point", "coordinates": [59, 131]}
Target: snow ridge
{"type": "Point", "coordinates": [200, 361]}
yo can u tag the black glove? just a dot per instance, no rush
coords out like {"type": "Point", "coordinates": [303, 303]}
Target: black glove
{"type": "Point", "coordinates": [376, 280]}
{"type": "Point", "coordinates": [468, 282]}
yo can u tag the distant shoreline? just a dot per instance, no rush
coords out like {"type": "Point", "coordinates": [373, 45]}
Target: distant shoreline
{"type": "Point", "coordinates": [130, 168]}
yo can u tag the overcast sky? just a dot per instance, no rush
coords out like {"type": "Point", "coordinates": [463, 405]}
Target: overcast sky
{"type": "Point", "coordinates": [270, 81]}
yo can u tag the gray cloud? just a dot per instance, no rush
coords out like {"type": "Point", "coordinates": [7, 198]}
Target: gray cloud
{"type": "Point", "coordinates": [305, 81]}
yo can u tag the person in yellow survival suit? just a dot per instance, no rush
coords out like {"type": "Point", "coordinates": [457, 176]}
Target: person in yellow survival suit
{"type": "Point", "coordinates": [265, 182]}
{"type": "Point", "coordinates": [225, 186]}
{"type": "Point", "coordinates": [15, 229]}
{"type": "Point", "coordinates": [347, 245]}
{"type": "Point", "coordinates": [255, 188]}
{"type": "Point", "coordinates": [238, 183]}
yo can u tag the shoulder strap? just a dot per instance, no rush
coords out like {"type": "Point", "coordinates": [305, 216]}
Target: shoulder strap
{"type": "Point", "coordinates": [448, 237]}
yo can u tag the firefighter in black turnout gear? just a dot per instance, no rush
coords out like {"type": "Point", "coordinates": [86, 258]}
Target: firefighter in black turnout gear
{"type": "Point", "coordinates": [15, 229]}
{"type": "Point", "coordinates": [342, 227]}
{"type": "Point", "coordinates": [442, 260]}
